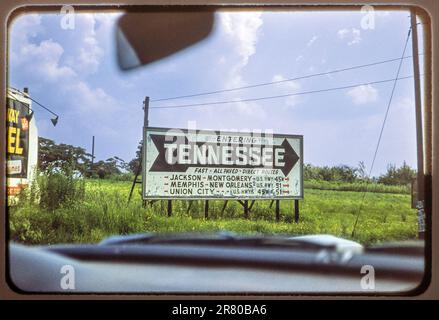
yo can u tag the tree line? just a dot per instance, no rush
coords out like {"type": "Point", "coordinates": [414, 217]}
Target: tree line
{"type": "Point", "coordinates": [51, 153]}
{"type": "Point", "coordinates": [394, 175]}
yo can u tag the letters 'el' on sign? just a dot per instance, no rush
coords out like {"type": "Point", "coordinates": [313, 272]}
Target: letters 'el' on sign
{"type": "Point", "coordinates": [17, 139]}
{"type": "Point", "coordinates": [221, 165]}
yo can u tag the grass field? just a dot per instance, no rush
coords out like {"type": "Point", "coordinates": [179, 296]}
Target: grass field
{"type": "Point", "coordinates": [359, 187]}
{"type": "Point", "coordinates": [104, 211]}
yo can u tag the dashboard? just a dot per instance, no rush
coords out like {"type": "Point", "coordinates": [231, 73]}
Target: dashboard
{"type": "Point", "coordinates": [167, 269]}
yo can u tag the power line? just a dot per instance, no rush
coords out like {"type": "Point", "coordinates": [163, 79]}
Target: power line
{"type": "Point", "coordinates": [280, 81]}
{"type": "Point", "coordinates": [381, 131]}
{"type": "Point", "coordinates": [278, 96]}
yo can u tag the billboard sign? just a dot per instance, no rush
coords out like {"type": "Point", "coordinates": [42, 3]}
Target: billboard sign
{"type": "Point", "coordinates": [195, 164]}
{"type": "Point", "coordinates": [17, 138]}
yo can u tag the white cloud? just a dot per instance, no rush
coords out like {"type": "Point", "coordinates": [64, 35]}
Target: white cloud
{"type": "Point", "coordinates": [42, 61]}
{"type": "Point", "coordinates": [222, 60]}
{"type": "Point", "coordinates": [89, 99]}
{"type": "Point", "coordinates": [288, 87]}
{"type": "Point", "coordinates": [46, 63]}
{"type": "Point", "coordinates": [55, 64]}
{"type": "Point", "coordinates": [48, 58]}
{"type": "Point", "coordinates": [363, 94]}
{"type": "Point", "coordinates": [342, 33]}
{"type": "Point", "coordinates": [25, 27]}
{"type": "Point", "coordinates": [311, 41]}
{"type": "Point", "coordinates": [299, 57]}
{"type": "Point", "coordinates": [88, 52]}
{"type": "Point", "coordinates": [250, 109]}
{"type": "Point", "coordinates": [89, 55]}
{"type": "Point", "coordinates": [242, 31]}
{"type": "Point", "coordinates": [353, 36]}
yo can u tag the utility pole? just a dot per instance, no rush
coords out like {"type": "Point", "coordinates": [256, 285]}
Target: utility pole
{"type": "Point", "coordinates": [419, 125]}
{"type": "Point", "coordinates": [146, 113]}
{"type": "Point", "coordinates": [92, 152]}
{"type": "Point", "coordinates": [142, 152]}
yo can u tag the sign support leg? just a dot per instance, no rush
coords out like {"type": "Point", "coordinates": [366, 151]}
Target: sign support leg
{"type": "Point", "coordinates": [138, 171]}
{"type": "Point", "coordinates": [251, 205]}
{"type": "Point", "coordinates": [271, 204]}
{"type": "Point", "coordinates": [246, 209]}
{"type": "Point", "coordinates": [277, 210]}
{"type": "Point", "coordinates": [296, 211]}
{"type": "Point", "coordinates": [189, 206]}
{"type": "Point", "coordinates": [206, 209]}
{"type": "Point", "coordinates": [224, 207]}
{"type": "Point", "coordinates": [169, 208]}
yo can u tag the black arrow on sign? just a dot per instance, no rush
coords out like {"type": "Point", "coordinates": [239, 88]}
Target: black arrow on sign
{"type": "Point", "coordinates": [162, 165]}
{"type": "Point", "coordinates": [290, 157]}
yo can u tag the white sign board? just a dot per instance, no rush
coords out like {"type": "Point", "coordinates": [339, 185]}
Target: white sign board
{"type": "Point", "coordinates": [13, 167]}
{"type": "Point", "coordinates": [194, 164]}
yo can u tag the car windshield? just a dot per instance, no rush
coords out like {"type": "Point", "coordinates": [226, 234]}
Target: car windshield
{"type": "Point", "coordinates": [279, 122]}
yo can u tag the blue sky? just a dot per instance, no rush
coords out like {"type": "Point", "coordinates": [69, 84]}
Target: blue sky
{"type": "Point", "coordinates": [75, 73]}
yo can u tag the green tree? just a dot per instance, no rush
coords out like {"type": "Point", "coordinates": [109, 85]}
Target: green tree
{"type": "Point", "coordinates": [362, 171]}
{"type": "Point", "coordinates": [111, 166]}
{"type": "Point", "coordinates": [64, 156]}
{"type": "Point", "coordinates": [50, 153]}
{"type": "Point", "coordinates": [340, 173]}
{"type": "Point", "coordinates": [134, 164]}
{"type": "Point", "coordinates": [398, 176]}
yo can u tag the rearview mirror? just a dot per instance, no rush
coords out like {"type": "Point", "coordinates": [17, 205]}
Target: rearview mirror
{"type": "Point", "coordinates": [144, 37]}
